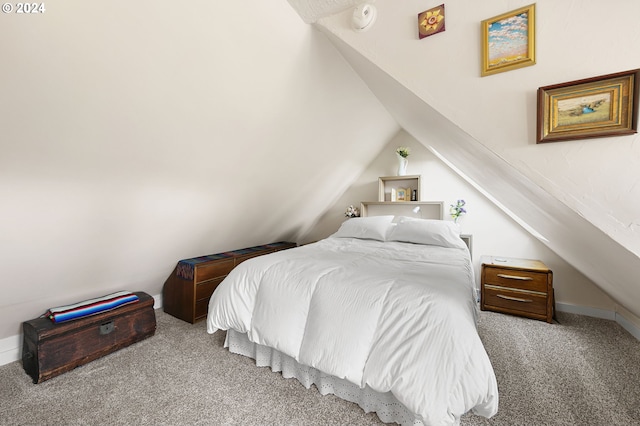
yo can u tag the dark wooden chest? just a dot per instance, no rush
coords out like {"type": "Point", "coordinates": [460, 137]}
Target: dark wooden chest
{"type": "Point", "coordinates": [187, 291]}
{"type": "Point", "coordinates": [51, 349]}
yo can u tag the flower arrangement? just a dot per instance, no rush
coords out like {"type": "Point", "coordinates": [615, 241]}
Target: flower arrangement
{"type": "Point", "coordinates": [457, 210]}
{"type": "Point", "coordinates": [352, 212]}
{"type": "Point", "coordinates": [403, 151]}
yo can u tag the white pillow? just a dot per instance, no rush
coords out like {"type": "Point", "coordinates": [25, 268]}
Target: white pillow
{"type": "Point", "coordinates": [427, 231]}
{"type": "Point", "coordinates": [367, 228]}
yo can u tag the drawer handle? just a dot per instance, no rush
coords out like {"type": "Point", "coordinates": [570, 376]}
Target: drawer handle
{"type": "Point", "coordinates": [515, 277]}
{"type": "Point", "coordinates": [515, 299]}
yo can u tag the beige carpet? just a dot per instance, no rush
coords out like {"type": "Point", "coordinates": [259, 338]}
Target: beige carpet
{"type": "Point", "coordinates": [581, 371]}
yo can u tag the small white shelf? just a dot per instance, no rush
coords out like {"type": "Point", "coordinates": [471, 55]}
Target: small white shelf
{"type": "Point", "coordinates": [388, 183]}
{"type": "Point", "coordinates": [427, 209]}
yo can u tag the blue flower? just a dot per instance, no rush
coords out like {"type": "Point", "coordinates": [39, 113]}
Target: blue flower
{"type": "Point", "coordinates": [457, 210]}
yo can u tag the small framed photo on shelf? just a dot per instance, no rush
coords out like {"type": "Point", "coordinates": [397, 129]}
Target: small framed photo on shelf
{"type": "Point", "coordinates": [591, 108]}
{"type": "Point", "coordinates": [403, 194]}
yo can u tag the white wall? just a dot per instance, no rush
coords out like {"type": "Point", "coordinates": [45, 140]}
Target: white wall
{"type": "Point", "coordinates": [135, 134]}
{"type": "Point", "coordinates": [580, 196]}
{"type": "Point", "coordinates": [597, 178]}
{"type": "Point", "coordinates": [494, 233]}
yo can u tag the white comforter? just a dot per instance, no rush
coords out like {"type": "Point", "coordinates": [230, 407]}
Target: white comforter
{"type": "Point", "coordinates": [395, 316]}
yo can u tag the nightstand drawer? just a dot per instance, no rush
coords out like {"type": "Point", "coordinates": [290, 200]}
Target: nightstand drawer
{"type": "Point", "coordinates": [213, 270]}
{"type": "Point", "coordinates": [523, 280]}
{"type": "Point", "coordinates": [498, 297]}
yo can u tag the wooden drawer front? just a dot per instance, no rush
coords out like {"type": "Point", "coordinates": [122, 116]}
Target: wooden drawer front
{"type": "Point", "coordinates": [187, 291]}
{"type": "Point", "coordinates": [215, 269]}
{"type": "Point", "coordinates": [205, 289]}
{"type": "Point", "coordinates": [515, 300]}
{"type": "Point", "coordinates": [202, 306]}
{"type": "Point", "coordinates": [523, 280]}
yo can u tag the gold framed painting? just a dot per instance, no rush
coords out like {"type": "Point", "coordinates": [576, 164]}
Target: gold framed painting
{"type": "Point", "coordinates": [508, 41]}
{"type": "Point", "coordinates": [590, 108]}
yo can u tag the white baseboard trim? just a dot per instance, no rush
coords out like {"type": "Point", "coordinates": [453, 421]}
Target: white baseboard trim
{"type": "Point", "coordinates": [632, 328]}
{"type": "Point", "coordinates": [11, 347]}
{"type": "Point", "coordinates": [586, 311]}
{"type": "Point", "coordinates": [628, 325]}
{"type": "Point", "coordinates": [157, 301]}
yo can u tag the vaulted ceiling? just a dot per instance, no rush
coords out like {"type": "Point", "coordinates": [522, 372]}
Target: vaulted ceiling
{"type": "Point", "coordinates": [587, 247]}
{"type": "Point", "coordinates": [153, 145]}
{"type": "Point", "coordinates": [312, 10]}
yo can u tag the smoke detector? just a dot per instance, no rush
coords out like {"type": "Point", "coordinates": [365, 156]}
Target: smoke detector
{"type": "Point", "coordinates": [364, 15]}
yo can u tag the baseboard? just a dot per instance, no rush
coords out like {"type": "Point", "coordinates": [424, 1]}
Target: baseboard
{"type": "Point", "coordinates": [157, 301]}
{"type": "Point", "coordinates": [11, 347]}
{"type": "Point", "coordinates": [586, 311]}
{"type": "Point", "coordinates": [628, 325]}
{"type": "Point", "coordinates": [631, 327]}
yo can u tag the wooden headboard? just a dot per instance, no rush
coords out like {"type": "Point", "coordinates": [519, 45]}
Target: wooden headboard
{"type": "Point", "coordinates": [418, 209]}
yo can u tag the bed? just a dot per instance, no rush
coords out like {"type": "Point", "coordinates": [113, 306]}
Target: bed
{"type": "Point", "coordinates": [381, 313]}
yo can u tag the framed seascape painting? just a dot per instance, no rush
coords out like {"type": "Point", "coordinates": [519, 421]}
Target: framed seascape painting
{"type": "Point", "coordinates": [590, 108]}
{"type": "Point", "coordinates": [508, 41]}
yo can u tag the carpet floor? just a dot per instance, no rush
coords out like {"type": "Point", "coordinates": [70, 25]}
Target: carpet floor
{"type": "Point", "coordinates": [579, 371]}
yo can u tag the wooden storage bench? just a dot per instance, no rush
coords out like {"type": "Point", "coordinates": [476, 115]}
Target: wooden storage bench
{"type": "Point", "coordinates": [50, 349]}
{"type": "Point", "coordinates": [187, 291]}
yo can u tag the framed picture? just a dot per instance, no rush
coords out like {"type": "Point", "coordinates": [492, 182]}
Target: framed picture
{"type": "Point", "coordinates": [403, 194]}
{"type": "Point", "coordinates": [591, 108]}
{"type": "Point", "coordinates": [431, 21]}
{"type": "Point", "coordinates": [508, 41]}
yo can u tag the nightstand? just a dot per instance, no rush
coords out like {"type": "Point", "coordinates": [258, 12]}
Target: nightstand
{"type": "Point", "coordinates": [517, 286]}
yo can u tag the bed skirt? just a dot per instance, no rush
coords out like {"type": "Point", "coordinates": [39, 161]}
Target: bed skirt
{"type": "Point", "coordinates": [385, 405]}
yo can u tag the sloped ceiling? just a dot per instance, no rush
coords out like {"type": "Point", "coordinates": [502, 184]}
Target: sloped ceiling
{"type": "Point", "coordinates": [583, 245]}
{"type": "Point", "coordinates": [607, 261]}
{"type": "Point", "coordinates": [187, 135]}
{"type": "Point", "coordinates": [312, 10]}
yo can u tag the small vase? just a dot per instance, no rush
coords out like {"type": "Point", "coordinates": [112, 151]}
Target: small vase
{"type": "Point", "coordinates": [402, 165]}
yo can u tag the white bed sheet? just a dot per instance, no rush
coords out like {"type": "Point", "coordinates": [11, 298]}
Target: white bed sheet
{"type": "Point", "coordinates": [394, 317]}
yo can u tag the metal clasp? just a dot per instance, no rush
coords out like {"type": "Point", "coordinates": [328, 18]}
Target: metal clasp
{"type": "Point", "coordinates": [107, 327]}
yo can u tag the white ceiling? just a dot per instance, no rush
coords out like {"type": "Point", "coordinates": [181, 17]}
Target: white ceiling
{"type": "Point", "coordinates": [312, 10]}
